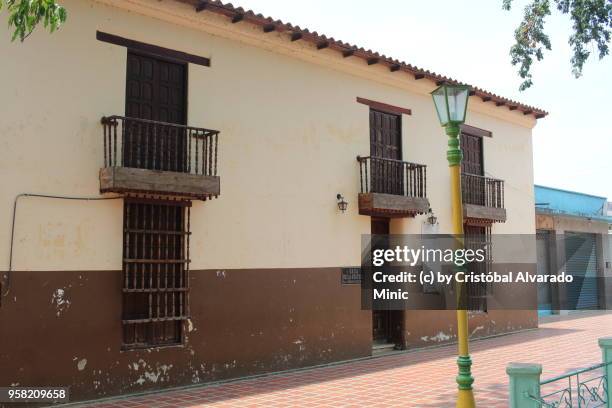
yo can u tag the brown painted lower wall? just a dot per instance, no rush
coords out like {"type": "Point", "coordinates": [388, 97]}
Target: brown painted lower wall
{"type": "Point", "coordinates": [243, 322]}
{"type": "Point", "coordinates": [434, 327]}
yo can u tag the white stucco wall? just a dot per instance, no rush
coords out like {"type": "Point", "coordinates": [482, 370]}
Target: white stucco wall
{"type": "Point", "coordinates": [290, 132]}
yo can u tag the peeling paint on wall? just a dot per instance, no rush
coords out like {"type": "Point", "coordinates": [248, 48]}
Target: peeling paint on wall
{"type": "Point", "coordinates": [81, 364]}
{"type": "Point", "coordinates": [300, 343]}
{"type": "Point", "coordinates": [102, 369]}
{"type": "Point", "coordinates": [61, 302]}
{"type": "Point", "coordinates": [159, 373]}
{"type": "Point", "coordinates": [476, 329]}
{"type": "Point", "coordinates": [441, 336]}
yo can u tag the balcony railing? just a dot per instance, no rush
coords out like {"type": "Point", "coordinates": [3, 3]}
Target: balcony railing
{"type": "Point", "coordinates": [392, 188]}
{"type": "Point", "coordinates": [481, 190]}
{"type": "Point", "coordinates": [153, 145]}
{"type": "Point", "coordinates": [483, 199]}
{"type": "Point", "coordinates": [388, 176]}
{"type": "Point", "coordinates": [146, 156]}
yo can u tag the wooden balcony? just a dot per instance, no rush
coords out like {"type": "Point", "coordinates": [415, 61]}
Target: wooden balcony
{"type": "Point", "coordinates": [145, 156]}
{"type": "Point", "coordinates": [483, 199]}
{"type": "Point", "coordinates": [392, 188]}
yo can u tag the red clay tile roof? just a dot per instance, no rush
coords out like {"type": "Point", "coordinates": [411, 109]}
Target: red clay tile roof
{"type": "Point", "coordinates": [237, 14]}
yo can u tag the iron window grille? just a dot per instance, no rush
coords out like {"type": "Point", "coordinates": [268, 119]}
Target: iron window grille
{"type": "Point", "coordinates": [155, 272]}
{"type": "Point", "coordinates": [477, 237]}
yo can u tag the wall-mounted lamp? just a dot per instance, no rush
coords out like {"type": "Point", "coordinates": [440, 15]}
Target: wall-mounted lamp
{"type": "Point", "coordinates": [431, 219]}
{"type": "Point", "coordinates": [342, 204]}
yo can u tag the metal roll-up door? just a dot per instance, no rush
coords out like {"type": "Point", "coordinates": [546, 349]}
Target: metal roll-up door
{"type": "Point", "coordinates": [581, 262]}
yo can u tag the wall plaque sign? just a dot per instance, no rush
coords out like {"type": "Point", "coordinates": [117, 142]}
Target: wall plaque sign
{"type": "Point", "coordinates": [351, 276]}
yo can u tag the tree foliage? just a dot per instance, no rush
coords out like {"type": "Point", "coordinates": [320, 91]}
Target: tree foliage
{"type": "Point", "coordinates": [591, 24]}
{"type": "Point", "coordinates": [25, 15]}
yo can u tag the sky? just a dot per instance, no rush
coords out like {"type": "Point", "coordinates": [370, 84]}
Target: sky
{"type": "Point", "coordinates": [470, 41]}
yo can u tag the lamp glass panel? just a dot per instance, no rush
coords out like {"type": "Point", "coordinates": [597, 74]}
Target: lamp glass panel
{"type": "Point", "coordinates": [439, 98]}
{"type": "Point", "coordinates": [457, 100]}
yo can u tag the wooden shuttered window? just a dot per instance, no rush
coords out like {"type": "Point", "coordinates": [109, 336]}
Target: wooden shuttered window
{"type": "Point", "coordinates": [155, 272]}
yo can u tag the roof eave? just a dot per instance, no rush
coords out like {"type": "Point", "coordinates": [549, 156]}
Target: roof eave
{"type": "Point", "coordinates": [238, 14]}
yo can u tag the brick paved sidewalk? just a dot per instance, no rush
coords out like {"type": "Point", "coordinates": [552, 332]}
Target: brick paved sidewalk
{"type": "Point", "coordinates": [422, 378]}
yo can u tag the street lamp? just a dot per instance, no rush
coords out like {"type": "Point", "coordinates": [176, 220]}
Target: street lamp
{"type": "Point", "coordinates": [451, 106]}
{"type": "Point", "coordinates": [451, 103]}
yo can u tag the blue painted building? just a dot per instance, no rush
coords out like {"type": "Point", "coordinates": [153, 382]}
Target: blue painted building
{"type": "Point", "coordinates": [572, 236]}
{"type": "Point", "coordinates": [571, 203]}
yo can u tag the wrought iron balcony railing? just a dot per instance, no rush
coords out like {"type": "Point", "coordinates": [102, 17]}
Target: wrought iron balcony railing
{"type": "Point", "coordinates": [392, 188]}
{"type": "Point", "coordinates": [388, 176]}
{"type": "Point", "coordinates": [146, 156]}
{"type": "Point", "coordinates": [153, 145]}
{"type": "Point", "coordinates": [481, 190]}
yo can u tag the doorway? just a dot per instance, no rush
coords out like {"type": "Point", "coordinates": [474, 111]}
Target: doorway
{"type": "Point", "coordinates": [387, 325]}
{"type": "Point", "coordinates": [471, 147]}
{"type": "Point", "coordinates": [156, 90]}
{"type": "Point", "coordinates": [387, 171]}
{"type": "Point", "coordinates": [581, 263]}
{"type": "Point", "coordinates": [472, 164]}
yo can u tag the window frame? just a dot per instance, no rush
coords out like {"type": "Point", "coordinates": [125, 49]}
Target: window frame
{"type": "Point", "coordinates": [150, 234]}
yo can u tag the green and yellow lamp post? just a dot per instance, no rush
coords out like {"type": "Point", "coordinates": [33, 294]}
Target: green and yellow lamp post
{"type": "Point", "coordinates": [451, 106]}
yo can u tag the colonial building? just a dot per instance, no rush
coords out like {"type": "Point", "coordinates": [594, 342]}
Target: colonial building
{"type": "Point", "coordinates": [572, 236]}
{"type": "Point", "coordinates": [172, 169]}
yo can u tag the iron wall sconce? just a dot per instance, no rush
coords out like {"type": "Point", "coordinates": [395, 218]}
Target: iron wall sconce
{"type": "Point", "coordinates": [431, 219]}
{"type": "Point", "coordinates": [342, 203]}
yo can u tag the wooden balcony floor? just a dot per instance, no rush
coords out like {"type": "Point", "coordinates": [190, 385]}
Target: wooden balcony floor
{"type": "Point", "coordinates": [483, 213]}
{"type": "Point", "coordinates": [392, 206]}
{"type": "Point", "coordinates": [132, 180]}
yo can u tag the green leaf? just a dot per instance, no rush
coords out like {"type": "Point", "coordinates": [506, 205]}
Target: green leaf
{"type": "Point", "coordinates": [592, 25]}
{"type": "Point", "coordinates": [26, 15]}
